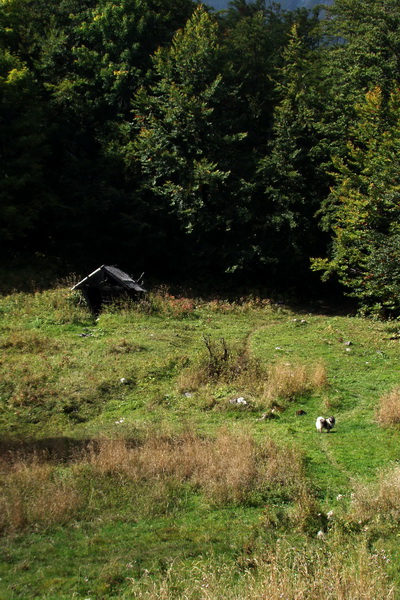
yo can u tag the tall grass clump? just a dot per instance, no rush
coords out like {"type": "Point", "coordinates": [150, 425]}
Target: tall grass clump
{"type": "Point", "coordinates": [377, 502]}
{"type": "Point", "coordinates": [286, 381]}
{"type": "Point", "coordinates": [57, 306]}
{"type": "Point", "coordinates": [41, 489]}
{"type": "Point", "coordinates": [388, 412]}
{"type": "Point", "coordinates": [229, 468]}
{"type": "Point", "coordinates": [161, 302]}
{"type": "Point", "coordinates": [32, 493]}
{"type": "Point", "coordinates": [285, 572]}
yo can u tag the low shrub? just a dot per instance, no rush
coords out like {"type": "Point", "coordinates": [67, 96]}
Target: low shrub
{"type": "Point", "coordinates": [223, 363]}
{"type": "Point", "coordinates": [161, 302]}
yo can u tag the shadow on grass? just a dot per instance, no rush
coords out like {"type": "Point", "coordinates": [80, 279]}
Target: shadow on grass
{"type": "Point", "coordinates": [55, 448]}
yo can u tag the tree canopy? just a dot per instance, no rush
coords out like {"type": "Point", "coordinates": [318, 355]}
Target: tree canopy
{"type": "Point", "coordinates": [167, 136]}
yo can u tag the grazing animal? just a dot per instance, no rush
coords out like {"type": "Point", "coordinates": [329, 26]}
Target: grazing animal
{"type": "Point", "coordinates": [323, 423]}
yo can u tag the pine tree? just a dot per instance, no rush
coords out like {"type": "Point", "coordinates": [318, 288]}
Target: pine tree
{"type": "Point", "coordinates": [289, 174]}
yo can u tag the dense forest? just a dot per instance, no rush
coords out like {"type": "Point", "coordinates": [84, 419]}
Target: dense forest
{"type": "Point", "coordinates": [257, 144]}
{"type": "Point", "coordinates": [285, 4]}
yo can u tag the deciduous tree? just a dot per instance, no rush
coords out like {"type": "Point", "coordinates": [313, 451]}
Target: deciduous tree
{"type": "Point", "coordinates": [363, 211]}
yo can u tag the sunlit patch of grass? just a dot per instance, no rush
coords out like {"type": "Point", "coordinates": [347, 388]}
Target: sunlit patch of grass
{"type": "Point", "coordinates": [131, 382]}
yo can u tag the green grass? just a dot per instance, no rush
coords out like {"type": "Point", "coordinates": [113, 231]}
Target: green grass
{"type": "Point", "coordinates": [138, 372]}
{"type": "Point", "coordinates": [97, 558]}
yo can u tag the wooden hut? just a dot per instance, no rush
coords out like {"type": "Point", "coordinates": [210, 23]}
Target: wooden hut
{"type": "Point", "coordinates": [106, 284]}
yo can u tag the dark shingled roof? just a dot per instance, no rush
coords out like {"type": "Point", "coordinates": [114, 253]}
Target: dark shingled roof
{"type": "Point", "coordinates": [99, 275]}
{"type": "Point", "coordinates": [105, 284]}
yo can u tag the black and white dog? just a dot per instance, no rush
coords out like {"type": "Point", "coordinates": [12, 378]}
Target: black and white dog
{"type": "Point", "coordinates": [323, 423]}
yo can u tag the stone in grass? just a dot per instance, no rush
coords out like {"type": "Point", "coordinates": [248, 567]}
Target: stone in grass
{"type": "Point", "coordinates": [239, 401]}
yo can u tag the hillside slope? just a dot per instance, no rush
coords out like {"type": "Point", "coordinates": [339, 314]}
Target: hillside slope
{"type": "Point", "coordinates": [169, 448]}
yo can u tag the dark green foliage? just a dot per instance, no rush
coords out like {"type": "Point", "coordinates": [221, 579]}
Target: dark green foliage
{"type": "Point", "coordinates": [85, 62]}
{"type": "Point", "coordinates": [165, 137]}
{"type": "Point", "coordinates": [182, 146]}
{"type": "Point", "coordinates": [289, 173]}
{"type": "Point", "coordinates": [363, 208]}
{"type": "Point", "coordinates": [23, 153]}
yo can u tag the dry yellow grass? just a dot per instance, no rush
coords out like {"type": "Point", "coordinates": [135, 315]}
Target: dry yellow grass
{"type": "Point", "coordinates": [319, 376]}
{"type": "Point", "coordinates": [379, 500]}
{"type": "Point", "coordinates": [226, 469]}
{"type": "Point", "coordinates": [287, 381]}
{"type": "Point", "coordinates": [287, 573]}
{"type": "Point", "coordinates": [388, 412]}
{"type": "Point", "coordinates": [41, 489]}
{"type": "Point", "coordinates": [31, 493]}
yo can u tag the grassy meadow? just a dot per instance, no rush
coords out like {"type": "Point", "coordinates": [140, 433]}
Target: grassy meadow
{"type": "Point", "coordinates": [168, 450]}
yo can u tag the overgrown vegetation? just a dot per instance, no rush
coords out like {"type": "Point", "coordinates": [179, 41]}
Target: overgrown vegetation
{"type": "Point", "coordinates": [41, 490]}
{"type": "Point", "coordinates": [192, 432]}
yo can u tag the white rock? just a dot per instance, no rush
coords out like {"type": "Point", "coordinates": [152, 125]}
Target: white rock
{"type": "Point", "coordinates": [238, 401]}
